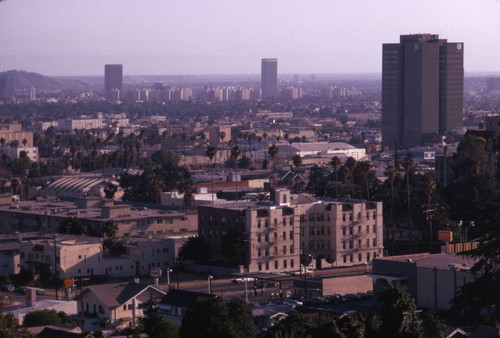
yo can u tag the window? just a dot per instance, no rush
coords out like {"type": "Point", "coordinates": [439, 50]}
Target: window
{"type": "Point", "coordinates": [367, 215]}
{"type": "Point", "coordinates": [359, 229]}
{"type": "Point", "coordinates": [267, 265]}
{"type": "Point", "coordinates": [291, 249]}
{"type": "Point", "coordinates": [351, 245]}
{"type": "Point", "coordinates": [351, 258]}
{"type": "Point", "coordinates": [124, 307]}
{"type": "Point", "coordinates": [344, 245]}
{"type": "Point", "coordinates": [359, 243]}
{"type": "Point", "coordinates": [276, 251]}
{"type": "Point", "coordinates": [350, 230]}
{"type": "Point", "coordinates": [374, 228]}
{"type": "Point", "coordinates": [258, 224]}
{"type": "Point", "coordinates": [374, 242]}
{"type": "Point", "coordinates": [291, 263]}
{"type": "Point", "coordinates": [266, 223]}
{"type": "Point", "coordinates": [367, 256]}
{"type": "Point", "coordinates": [373, 215]}
{"type": "Point", "coordinates": [350, 217]}
{"type": "Point", "coordinates": [284, 221]}
{"type": "Point", "coordinates": [275, 222]}
{"type": "Point", "coordinates": [267, 252]}
{"type": "Point", "coordinates": [284, 264]}
{"type": "Point", "coordinates": [258, 238]}
{"type": "Point", "coordinates": [359, 216]}
{"type": "Point", "coordinates": [258, 252]}
{"type": "Point", "coordinates": [275, 264]}
{"type": "Point", "coordinates": [367, 229]}
{"type": "Point", "coordinates": [260, 266]}
{"type": "Point", "coordinates": [367, 243]}
{"type": "Point", "coordinates": [284, 249]}
{"type": "Point", "coordinates": [360, 257]}
{"type": "Point", "coordinates": [343, 231]}
{"type": "Point", "coordinates": [284, 235]}
{"type": "Point", "coordinates": [345, 258]}
{"type": "Point", "coordinates": [291, 235]}
{"type": "Point", "coordinates": [275, 236]}
{"type": "Point", "coordinates": [328, 231]}
{"type": "Point", "coordinates": [267, 238]}
{"type": "Point", "coordinates": [130, 306]}
{"type": "Point", "coordinates": [343, 217]}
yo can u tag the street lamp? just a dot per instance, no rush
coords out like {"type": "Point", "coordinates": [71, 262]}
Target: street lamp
{"type": "Point", "coordinates": [168, 277]}
{"type": "Point", "coordinates": [210, 277]}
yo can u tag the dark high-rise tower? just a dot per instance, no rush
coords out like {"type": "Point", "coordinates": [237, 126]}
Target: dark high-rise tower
{"type": "Point", "coordinates": [6, 88]}
{"type": "Point", "coordinates": [113, 81]}
{"type": "Point", "coordinates": [422, 88]}
{"type": "Point", "coordinates": [269, 78]}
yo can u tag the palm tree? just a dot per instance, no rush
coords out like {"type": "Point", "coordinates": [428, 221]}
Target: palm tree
{"type": "Point", "coordinates": [297, 161]}
{"type": "Point", "coordinates": [429, 187]}
{"type": "Point", "coordinates": [273, 150]}
{"type": "Point", "coordinates": [351, 164]}
{"type": "Point", "coordinates": [364, 169]}
{"type": "Point", "coordinates": [235, 154]}
{"type": "Point", "coordinates": [408, 166]}
{"type": "Point", "coordinates": [391, 174]}
{"type": "Point", "coordinates": [210, 151]}
{"type": "Point", "coordinates": [336, 163]}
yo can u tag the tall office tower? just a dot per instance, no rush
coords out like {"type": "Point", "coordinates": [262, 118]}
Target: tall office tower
{"type": "Point", "coordinates": [6, 88]}
{"type": "Point", "coordinates": [113, 81]}
{"type": "Point", "coordinates": [269, 78]}
{"type": "Point", "coordinates": [422, 89]}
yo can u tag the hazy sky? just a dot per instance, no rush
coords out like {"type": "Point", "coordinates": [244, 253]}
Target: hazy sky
{"type": "Point", "coordinates": [76, 37]}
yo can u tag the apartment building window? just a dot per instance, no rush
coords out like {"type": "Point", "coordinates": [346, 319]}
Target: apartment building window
{"type": "Point", "coordinates": [351, 245]}
{"type": "Point", "coordinates": [284, 221]}
{"type": "Point", "coordinates": [276, 251]}
{"type": "Point", "coordinates": [343, 217]}
{"type": "Point", "coordinates": [266, 223]}
{"type": "Point", "coordinates": [351, 258]}
{"type": "Point", "coordinates": [360, 257]}
{"type": "Point", "coordinates": [284, 249]}
{"type": "Point", "coordinates": [291, 220]}
{"type": "Point", "coordinates": [328, 244]}
{"type": "Point", "coordinates": [267, 265]}
{"type": "Point", "coordinates": [359, 216]}
{"type": "Point", "coordinates": [275, 236]}
{"type": "Point", "coordinates": [275, 222]}
{"type": "Point", "coordinates": [284, 235]}
{"type": "Point", "coordinates": [291, 249]}
{"type": "Point", "coordinates": [258, 224]}
{"type": "Point", "coordinates": [350, 216]}
{"type": "Point", "coordinates": [260, 266]}
{"type": "Point", "coordinates": [267, 252]}
{"type": "Point", "coordinates": [374, 229]}
{"type": "Point", "coordinates": [291, 263]}
{"type": "Point", "coordinates": [359, 229]}
{"type": "Point", "coordinates": [343, 231]}
{"type": "Point", "coordinates": [367, 229]}
{"type": "Point", "coordinates": [311, 231]}
{"type": "Point", "coordinates": [318, 231]}
{"type": "Point", "coordinates": [367, 256]}
{"type": "Point", "coordinates": [373, 215]}
{"type": "Point", "coordinates": [276, 264]}
{"type": "Point", "coordinates": [258, 238]}
{"type": "Point", "coordinates": [267, 238]}
{"type": "Point", "coordinates": [291, 235]}
{"type": "Point", "coordinates": [328, 231]}
{"type": "Point", "coordinates": [258, 252]}
{"type": "Point", "coordinates": [311, 217]}
{"type": "Point", "coordinates": [344, 245]}
{"type": "Point", "coordinates": [359, 243]}
{"type": "Point", "coordinates": [367, 215]}
{"type": "Point", "coordinates": [284, 264]}
{"type": "Point", "coordinates": [328, 217]}
{"type": "Point", "coordinates": [345, 258]}
{"type": "Point", "coordinates": [367, 243]}
{"type": "Point", "coordinates": [350, 230]}
{"type": "Point", "coordinates": [374, 242]}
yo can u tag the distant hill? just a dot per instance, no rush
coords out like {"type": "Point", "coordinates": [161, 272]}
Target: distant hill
{"type": "Point", "coordinates": [23, 80]}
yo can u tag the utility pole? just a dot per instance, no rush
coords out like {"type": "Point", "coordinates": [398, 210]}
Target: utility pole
{"type": "Point", "coordinates": [55, 265]}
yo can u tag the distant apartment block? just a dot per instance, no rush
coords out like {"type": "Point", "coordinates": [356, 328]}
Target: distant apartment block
{"type": "Point", "coordinates": [85, 123]}
{"type": "Point", "coordinates": [113, 82]}
{"type": "Point", "coordinates": [342, 232]}
{"type": "Point", "coordinates": [269, 78]}
{"type": "Point", "coordinates": [13, 132]}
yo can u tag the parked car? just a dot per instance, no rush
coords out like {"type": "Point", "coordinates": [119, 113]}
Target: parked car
{"type": "Point", "coordinates": [293, 302]}
{"type": "Point", "coordinates": [7, 287]}
{"type": "Point", "coordinates": [263, 285]}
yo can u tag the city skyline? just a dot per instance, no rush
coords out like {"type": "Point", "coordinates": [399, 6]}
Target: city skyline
{"type": "Point", "coordinates": [57, 38]}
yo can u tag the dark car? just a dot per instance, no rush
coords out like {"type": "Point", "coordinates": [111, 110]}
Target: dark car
{"type": "Point", "coordinates": [7, 287]}
{"type": "Point", "coordinates": [265, 285]}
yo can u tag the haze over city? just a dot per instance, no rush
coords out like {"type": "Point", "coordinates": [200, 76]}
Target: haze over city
{"type": "Point", "coordinates": [230, 37]}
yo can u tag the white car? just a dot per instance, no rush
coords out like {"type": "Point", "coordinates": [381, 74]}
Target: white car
{"type": "Point", "coordinates": [242, 280]}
